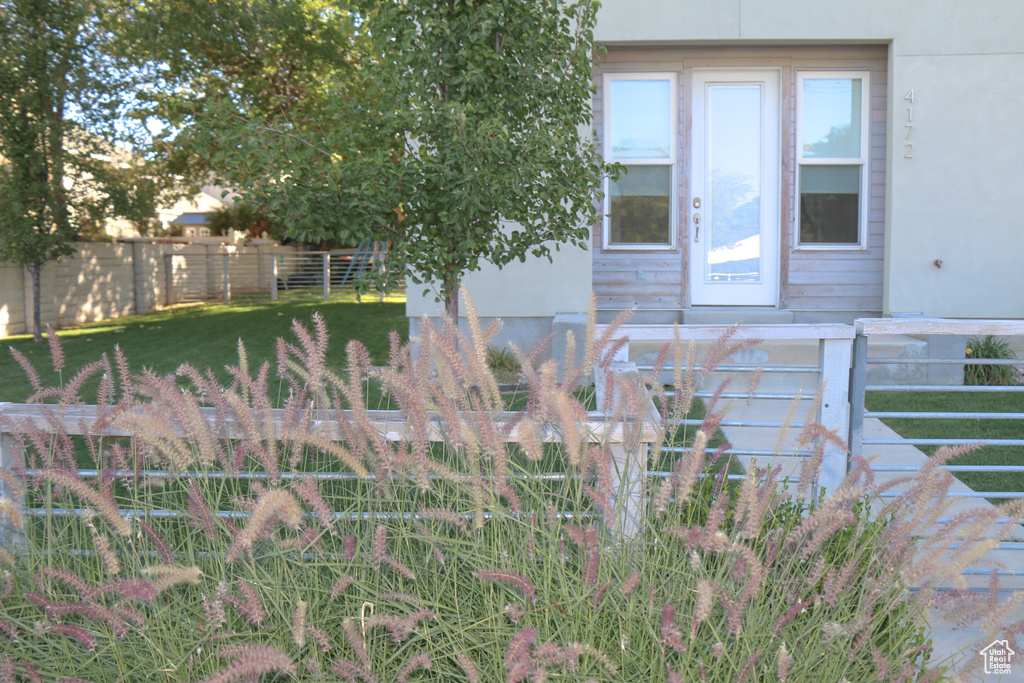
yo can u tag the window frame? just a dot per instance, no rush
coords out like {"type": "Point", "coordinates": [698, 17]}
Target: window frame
{"type": "Point", "coordinates": [671, 162]}
{"type": "Point", "coordinates": [863, 161]}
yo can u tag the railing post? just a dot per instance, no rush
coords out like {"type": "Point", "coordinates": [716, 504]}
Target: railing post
{"type": "Point", "coordinates": [834, 361]}
{"type": "Point", "coordinates": [858, 388]}
{"type": "Point", "coordinates": [327, 275]}
{"type": "Point", "coordinates": [628, 459]}
{"type": "Point", "coordinates": [11, 460]}
{"type": "Point", "coordinates": [273, 276]}
{"type": "Point", "coordinates": [227, 278]}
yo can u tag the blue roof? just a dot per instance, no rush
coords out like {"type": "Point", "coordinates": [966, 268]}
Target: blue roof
{"type": "Point", "coordinates": [190, 219]}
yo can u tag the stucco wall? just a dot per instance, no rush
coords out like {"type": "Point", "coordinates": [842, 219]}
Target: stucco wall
{"type": "Point", "coordinates": [535, 288]}
{"type": "Point", "coordinates": [959, 198]}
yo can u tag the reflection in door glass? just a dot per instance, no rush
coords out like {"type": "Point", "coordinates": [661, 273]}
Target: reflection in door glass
{"type": "Point", "coordinates": [734, 175]}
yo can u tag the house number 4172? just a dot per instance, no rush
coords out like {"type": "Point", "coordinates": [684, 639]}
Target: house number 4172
{"type": "Point", "coordinates": [909, 125]}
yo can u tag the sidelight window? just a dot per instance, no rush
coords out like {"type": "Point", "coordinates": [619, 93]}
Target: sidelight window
{"type": "Point", "coordinates": [832, 155]}
{"type": "Point", "coordinates": [640, 135]}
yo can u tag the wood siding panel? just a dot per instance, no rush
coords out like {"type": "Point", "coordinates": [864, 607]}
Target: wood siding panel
{"type": "Point", "coordinates": [841, 279]}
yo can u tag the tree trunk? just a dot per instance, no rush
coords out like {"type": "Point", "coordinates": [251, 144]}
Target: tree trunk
{"type": "Point", "coordinates": [450, 293]}
{"type": "Point", "coordinates": [36, 269]}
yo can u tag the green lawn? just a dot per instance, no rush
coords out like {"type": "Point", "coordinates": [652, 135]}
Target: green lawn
{"type": "Point", "coordinates": [207, 336]}
{"type": "Point", "coordinates": [963, 429]}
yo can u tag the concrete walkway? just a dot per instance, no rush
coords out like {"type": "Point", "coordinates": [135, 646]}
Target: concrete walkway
{"type": "Point", "coordinates": [957, 647]}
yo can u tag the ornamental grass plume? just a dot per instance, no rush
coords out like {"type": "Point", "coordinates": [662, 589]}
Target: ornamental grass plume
{"type": "Point", "coordinates": [102, 501]}
{"type": "Point", "coordinates": [299, 624]}
{"type": "Point", "coordinates": [272, 507]}
{"type": "Point", "coordinates": [456, 538]}
{"type": "Point", "coordinates": [165, 577]}
{"type": "Point", "coordinates": [251, 661]}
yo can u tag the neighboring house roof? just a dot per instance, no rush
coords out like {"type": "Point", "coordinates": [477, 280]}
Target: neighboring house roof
{"type": "Point", "coordinates": [190, 219]}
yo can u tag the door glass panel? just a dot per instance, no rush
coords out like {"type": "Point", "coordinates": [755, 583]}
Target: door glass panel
{"type": "Point", "coordinates": [640, 208]}
{"type": "Point", "coordinates": [641, 119]}
{"type": "Point", "coordinates": [830, 118]}
{"type": "Point", "coordinates": [829, 204]}
{"type": "Point", "coordinates": [734, 173]}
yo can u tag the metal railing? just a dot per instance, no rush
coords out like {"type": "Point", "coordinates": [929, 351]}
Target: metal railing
{"type": "Point", "coordinates": [628, 440]}
{"type": "Point", "coordinates": [832, 369]}
{"type": "Point", "coordinates": [320, 271]}
{"type": "Point", "coordinates": [932, 328]}
{"type": "Point", "coordinates": [225, 273]}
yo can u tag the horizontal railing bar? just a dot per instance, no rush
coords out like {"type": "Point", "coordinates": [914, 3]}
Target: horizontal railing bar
{"type": "Point", "coordinates": [744, 395]}
{"type": "Point", "coordinates": [244, 514]}
{"type": "Point", "coordinates": [950, 589]}
{"type": "Point", "coordinates": [944, 442]}
{"type": "Point", "coordinates": [810, 369]}
{"type": "Point", "coordinates": [323, 476]}
{"type": "Point", "coordinates": [1000, 520]}
{"type": "Point", "coordinates": [712, 332]}
{"type": "Point", "coordinates": [939, 326]}
{"type": "Point", "coordinates": [962, 494]}
{"type": "Point", "coordinates": [943, 387]}
{"type": "Point", "coordinates": [944, 361]}
{"type": "Point", "coordinates": [950, 468]}
{"type": "Point", "coordinates": [660, 474]}
{"type": "Point", "coordinates": [738, 451]}
{"type": "Point", "coordinates": [944, 415]}
{"type": "Point", "coordinates": [739, 423]}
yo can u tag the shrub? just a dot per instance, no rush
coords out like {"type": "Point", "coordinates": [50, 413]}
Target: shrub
{"type": "Point", "coordinates": [215, 546]}
{"type": "Point", "coordinates": [504, 364]}
{"type": "Point", "coordinates": [993, 348]}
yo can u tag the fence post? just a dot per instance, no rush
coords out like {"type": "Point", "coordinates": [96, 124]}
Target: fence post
{"type": "Point", "coordinates": [227, 279]}
{"type": "Point", "coordinates": [327, 275]}
{"type": "Point", "coordinates": [834, 361]}
{"type": "Point", "coordinates": [169, 274]}
{"type": "Point", "coordinates": [378, 262]}
{"type": "Point", "coordinates": [273, 276]}
{"type": "Point", "coordinates": [628, 459]}
{"type": "Point", "coordinates": [858, 387]}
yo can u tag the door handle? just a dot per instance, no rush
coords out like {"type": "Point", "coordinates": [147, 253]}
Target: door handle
{"type": "Point", "coordinates": [696, 223]}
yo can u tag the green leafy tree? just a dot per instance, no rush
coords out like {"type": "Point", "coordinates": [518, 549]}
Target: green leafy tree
{"type": "Point", "coordinates": [490, 98]}
{"type": "Point", "coordinates": [271, 98]}
{"type": "Point", "coordinates": [57, 87]}
{"type": "Point", "coordinates": [449, 129]}
{"type": "Point", "coordinates": [243, 217]}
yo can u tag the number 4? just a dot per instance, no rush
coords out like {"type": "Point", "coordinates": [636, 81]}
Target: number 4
{"type": "Point", "coordinates": [910, 96]}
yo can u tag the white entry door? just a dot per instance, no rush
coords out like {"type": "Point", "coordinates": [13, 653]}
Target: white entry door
{"type": "Point", "coordinates": [734, 188]}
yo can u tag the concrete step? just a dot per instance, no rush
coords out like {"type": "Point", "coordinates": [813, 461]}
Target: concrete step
{"type": "Point", "coordinates": [732, 315]}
